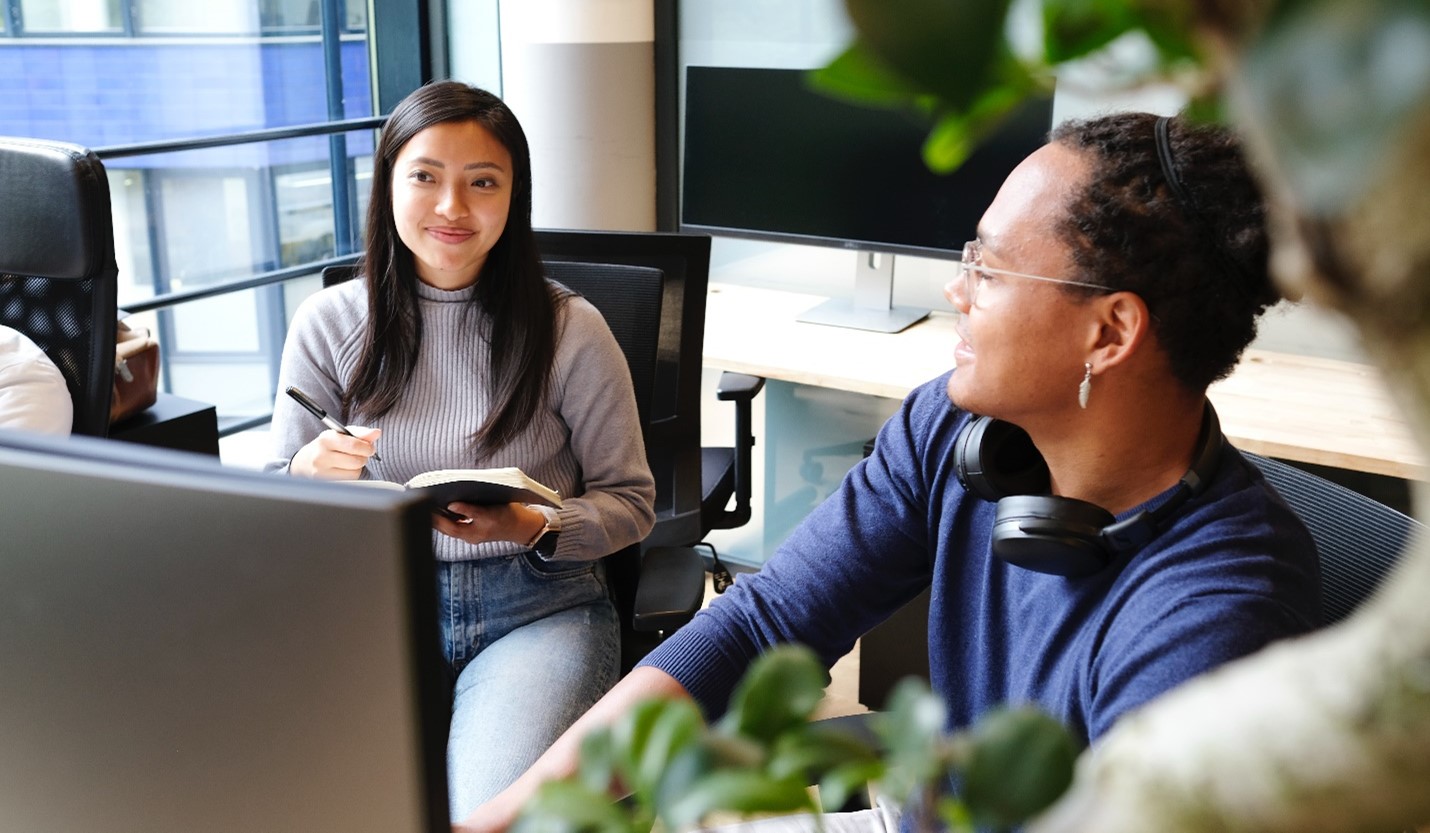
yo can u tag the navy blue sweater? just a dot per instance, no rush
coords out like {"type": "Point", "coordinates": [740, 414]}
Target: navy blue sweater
{"type": "Point", "coordinates": [1232, 571]}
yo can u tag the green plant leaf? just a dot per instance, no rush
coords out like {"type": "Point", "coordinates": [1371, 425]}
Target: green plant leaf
{"type": "Point", "coordinates": [954, 815]}
{"type": "Point", "coordinates": [780, 690]}
{"type": "Point", "coordinates": [1075, 28]}
{"type": "Point", "coordinates": [597, 769]}
{"type": "Point", "coordinates": [912, 728]}
{"type": "Point", "coordinates": [731, 750]}
{"type": "Point", "coordinates": [678, 726]}
{"type": "Point", "coordinates": [687, 768]}
{"type": "Point", "coordinates": [840, 782]}
{"type": "Point", "coordinates": [809, 754]}
{"type": "Point", "coordinates": [858, 75]}
{"type": "Point", "coordinates": [956, 135]}
{"type": "Point", "coordinates": [739, 791]}
{"type": "Point", "coordinates": [947, 47]}
{"type": "Point", "coordinates": [1020, 760]}
{"type": "Point", "coordinates": [570, 807]}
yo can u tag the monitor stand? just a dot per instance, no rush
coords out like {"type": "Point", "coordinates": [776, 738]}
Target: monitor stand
{"type": "Point", "coordinates": [872, 307]}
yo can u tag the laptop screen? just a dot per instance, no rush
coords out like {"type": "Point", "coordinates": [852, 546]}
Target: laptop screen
{"type": "Point", "coordinates": [188, 647]}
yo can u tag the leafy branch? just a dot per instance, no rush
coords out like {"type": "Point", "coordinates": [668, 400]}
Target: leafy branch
{"type": "Point", "coordinates": [763, 756]}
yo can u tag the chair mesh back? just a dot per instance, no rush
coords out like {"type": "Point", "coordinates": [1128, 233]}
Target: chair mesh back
{"type": "Point", "coordinates": [58, 277]}
{"type": "Point", "coordinates": [58, 317]}
{"type": "Point", "coordinates": [629, 298]}
{"type": "Point", "coordinates": [1358, 540]}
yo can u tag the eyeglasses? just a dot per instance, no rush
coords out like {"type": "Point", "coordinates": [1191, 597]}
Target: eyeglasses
{"type": "Point", "coordinates": [975, 274]}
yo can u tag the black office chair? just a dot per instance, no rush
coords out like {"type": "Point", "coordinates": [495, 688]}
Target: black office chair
{"type": "Point", "coordinates": [1358, 540]}
{"type": "Point", "coordinates": [58, 276]}
{"type": "Point", "coordinates": [714, 490]}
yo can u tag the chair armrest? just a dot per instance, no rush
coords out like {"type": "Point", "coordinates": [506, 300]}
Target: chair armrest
{"type": "Point", "coordinates": [670, 590]}
{"type": "Point", "coordinates": [738, 387]}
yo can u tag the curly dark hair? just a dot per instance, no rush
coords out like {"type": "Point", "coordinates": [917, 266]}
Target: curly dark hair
{"type": "Point", "coordinates": [1199, 260]}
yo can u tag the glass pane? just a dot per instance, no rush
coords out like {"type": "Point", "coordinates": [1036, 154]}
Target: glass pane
{"type": "Point", "coordinates": [140, 71]}
{"type": "Point", "coordinates": [305, 216]}
{"type": "Point", "coordinates": [132, 251]}
{"type": "Point", "coordinates": [187, 17]}
{"type": "Point", "coordinates": [357, 15]}
{"type": "Point", "coordinates": [70, 16]}
{"type": "Point", "coordinates": [290, 14]}
{"type": "Point", "coordinates": [99, 93]}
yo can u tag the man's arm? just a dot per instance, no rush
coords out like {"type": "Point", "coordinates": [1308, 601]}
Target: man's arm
{"type": "Point", "coordinates": [561, 760]}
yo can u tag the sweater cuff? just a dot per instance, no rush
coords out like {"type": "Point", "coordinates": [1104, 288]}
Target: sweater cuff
{"type": "Point", "coordinates": [700, 667]}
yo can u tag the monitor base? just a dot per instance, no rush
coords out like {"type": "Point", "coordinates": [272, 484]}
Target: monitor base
{"type": "Point", "coordinates": [841, 312]}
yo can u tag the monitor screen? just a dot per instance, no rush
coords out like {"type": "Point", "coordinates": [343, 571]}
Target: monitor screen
{"type": "Point", "coordinates": [768, 157]}
{"type": "Point", "coordinates": [188, 647]}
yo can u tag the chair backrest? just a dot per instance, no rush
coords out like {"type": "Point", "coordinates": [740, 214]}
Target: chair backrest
{"type": "Point", "coordinates": [629, 298]}
{"type": "Point", "coordinates": [1358, 540]}
{"type": "Point", "coordinates": [673, 426]}
{"type": "Point", "coordinates": [58, 276]}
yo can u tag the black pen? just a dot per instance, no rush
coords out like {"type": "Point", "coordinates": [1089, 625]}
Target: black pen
{"type": "Point", "coordinates": [302, 399]}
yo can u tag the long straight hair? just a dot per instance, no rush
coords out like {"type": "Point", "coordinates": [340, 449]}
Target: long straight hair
{"type": "Point", "coordinates": [510, 290]}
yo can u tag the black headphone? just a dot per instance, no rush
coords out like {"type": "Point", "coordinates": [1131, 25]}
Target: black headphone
{"type": "Point", "coordinates": [997, 461]}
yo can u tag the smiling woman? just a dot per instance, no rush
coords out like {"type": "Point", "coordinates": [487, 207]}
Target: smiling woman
{"type": "Point", "coordinates": [450, 198]}
{"type": "Point", "coordinates": [455, 352]}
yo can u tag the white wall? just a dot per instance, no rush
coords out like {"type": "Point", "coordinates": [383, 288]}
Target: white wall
{"type": "Point", "coordinates": [579, 74]}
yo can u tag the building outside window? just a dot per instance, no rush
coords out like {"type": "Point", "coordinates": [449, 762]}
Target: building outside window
{"type": "Point", "coordinates": [106, 74]}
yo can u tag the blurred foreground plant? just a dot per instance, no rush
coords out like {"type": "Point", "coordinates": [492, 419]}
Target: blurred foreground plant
{"type": "Point", "coordinates": [764, 754]}
{"type": "Point", "coordinates": [1330, 733]}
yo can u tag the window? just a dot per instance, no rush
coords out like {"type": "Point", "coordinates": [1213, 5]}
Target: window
{"type": "Point", "coordinates": [71, 16]}
{"type": "Point", "coordinates": [111, 75]}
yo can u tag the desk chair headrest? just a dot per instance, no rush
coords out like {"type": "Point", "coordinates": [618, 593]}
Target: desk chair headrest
{"type": "Point", "coordinates": [55, 219]}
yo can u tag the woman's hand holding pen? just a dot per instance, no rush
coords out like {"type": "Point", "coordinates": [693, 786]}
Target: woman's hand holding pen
{"type": "Point", "coordinates": [335, 456]}
{"type": "Point", "coordinates": [503, 522]}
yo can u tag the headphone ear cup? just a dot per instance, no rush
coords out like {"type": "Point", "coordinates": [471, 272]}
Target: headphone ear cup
{"type": "Point", "coordinates": [994, 459]}
{"type": "Point", "coordinates": [1056, 535]}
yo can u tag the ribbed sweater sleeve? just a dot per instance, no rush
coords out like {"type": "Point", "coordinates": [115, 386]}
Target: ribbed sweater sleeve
{"type": "Point", "coordinates": [584, 441]}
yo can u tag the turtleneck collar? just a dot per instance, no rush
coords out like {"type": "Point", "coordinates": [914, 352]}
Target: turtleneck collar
{"type": "Point", "coordinates": [427, 292]}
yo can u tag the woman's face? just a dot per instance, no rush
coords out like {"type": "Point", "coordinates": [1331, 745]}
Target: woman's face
{"type": "Point", "coordinates": [451, 192]}
{"type": "Point", "coordinates": [1023, 343]}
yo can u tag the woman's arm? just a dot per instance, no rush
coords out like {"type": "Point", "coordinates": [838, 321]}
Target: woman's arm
{"type": "Point", "coordinates": [324, 327]}
{"type": "Point", "coordinates": [562, 759]}
{"type": "Point", "coordinates": [598, 405]}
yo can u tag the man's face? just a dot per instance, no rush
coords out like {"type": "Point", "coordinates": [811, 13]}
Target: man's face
{"type": "Point", "coordinates": [1023, 341]}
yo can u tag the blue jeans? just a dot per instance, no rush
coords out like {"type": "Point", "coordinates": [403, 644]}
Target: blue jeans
{"type": "Point", "coordinates": [532, 645]}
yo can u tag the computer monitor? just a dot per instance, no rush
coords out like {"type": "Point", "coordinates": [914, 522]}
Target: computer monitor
{"type": "Point", "coordinates": [768, 157]}
{"type": "Point", "coordinates": [188, 647]}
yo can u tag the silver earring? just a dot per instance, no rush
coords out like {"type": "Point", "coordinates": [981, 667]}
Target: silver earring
{"type": "Point", "coordinates": [1085, 389]}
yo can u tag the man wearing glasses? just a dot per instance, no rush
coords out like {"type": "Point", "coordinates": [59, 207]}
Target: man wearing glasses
{"type": "Point", "coordinates": [1089, 537]}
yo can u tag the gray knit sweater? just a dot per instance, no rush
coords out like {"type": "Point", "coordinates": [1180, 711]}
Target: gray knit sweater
{"type": "Point", "coordinates": [585, 440]}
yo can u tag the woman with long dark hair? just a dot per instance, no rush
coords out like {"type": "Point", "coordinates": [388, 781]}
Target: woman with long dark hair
{"type": "Point", "coordinates": [454, 351]}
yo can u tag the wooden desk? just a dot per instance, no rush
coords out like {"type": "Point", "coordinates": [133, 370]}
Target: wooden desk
{"type": "Point", "coordinates": [1309, 410]}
